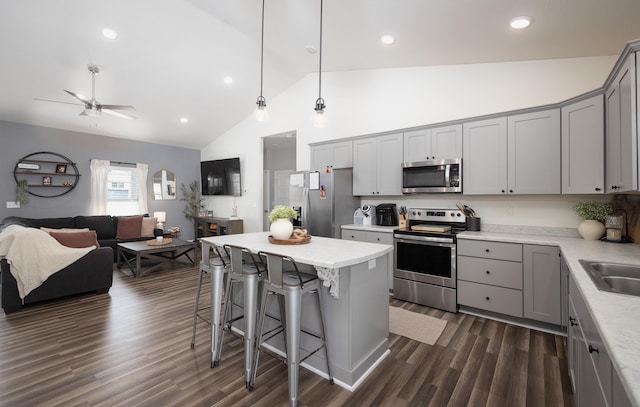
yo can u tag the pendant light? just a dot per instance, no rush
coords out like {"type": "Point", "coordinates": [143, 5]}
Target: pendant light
{"type": "Point", "coordinates": [320, 119]}
{"type": "Point", "coordinates": [261, 111]}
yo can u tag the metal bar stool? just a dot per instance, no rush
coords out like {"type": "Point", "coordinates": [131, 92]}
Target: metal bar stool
{"type": "Point", "coordinates": [292, 285]}
{"type": "Point", "coordinates": [250, 276]}
{"type": "Point", "coordinates": [216, 267]}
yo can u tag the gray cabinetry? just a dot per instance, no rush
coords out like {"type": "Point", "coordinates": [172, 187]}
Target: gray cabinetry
{"type": "Point", "coordinates": [373, 237]}
{"type": "Point", "coordinates": [542, 287]}
{"type": "Point", "coordinates": [335, 155]}
{"type": "Point", "coordinates": [583, 147]}
{"type": "Point", "coordinates": [621, 129]}
{"type": "Point", "coordinates": [433, 144]}
{"type": "Point", "coordinates": [377, 165]}
{"type": "Point", "coordinates": [518, 154]}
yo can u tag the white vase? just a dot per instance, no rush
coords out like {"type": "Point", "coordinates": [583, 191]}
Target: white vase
{"type": "Point", "coordinates": [281, 229]}
{"type": "Point", "coordinates": [591, 229]}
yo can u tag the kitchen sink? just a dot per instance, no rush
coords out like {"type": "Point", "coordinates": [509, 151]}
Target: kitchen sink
{"type": "Point", "coordinates": [614, 277]}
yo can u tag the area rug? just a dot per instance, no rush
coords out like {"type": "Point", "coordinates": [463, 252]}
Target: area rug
{"type": "Point", "coordinates": [412, 325]}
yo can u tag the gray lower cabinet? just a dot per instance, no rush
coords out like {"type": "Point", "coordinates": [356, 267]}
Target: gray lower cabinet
{"type": "Point", "coordinates": [522, 281]}
{"type": "Point", "coordinates": [595, 382]}
{"type": "Point", "coordinates": [542, 287]}
{"type": "Point", "coordinates": [377, 165]}
{"type": "Point", "coordinates": [373, 237]}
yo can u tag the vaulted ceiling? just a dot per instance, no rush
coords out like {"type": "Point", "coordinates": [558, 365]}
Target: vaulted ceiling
{"type": "Point", "coordinates": [171, 56]}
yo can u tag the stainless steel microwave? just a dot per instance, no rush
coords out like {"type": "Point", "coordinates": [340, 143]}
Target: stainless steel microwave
{"type": "Point", "coordinates": [433, 176]}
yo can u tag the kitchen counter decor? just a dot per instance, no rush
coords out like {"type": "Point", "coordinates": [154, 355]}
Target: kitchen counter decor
{"type": "Point", "coordinates": [281, 226]}
{"type": "Point", "coordinates": [592, 213]}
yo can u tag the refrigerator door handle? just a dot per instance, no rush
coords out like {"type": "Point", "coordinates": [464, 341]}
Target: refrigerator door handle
{"type": "Point", "coordinates": [305, 208]}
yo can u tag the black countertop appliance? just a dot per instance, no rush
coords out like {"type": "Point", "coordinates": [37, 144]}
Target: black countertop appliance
{"type": "Point", "coordinates": [386, 215]}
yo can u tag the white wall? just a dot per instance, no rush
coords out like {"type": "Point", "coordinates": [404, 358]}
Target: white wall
{"type": "Point", "coordinates": [366, 102]}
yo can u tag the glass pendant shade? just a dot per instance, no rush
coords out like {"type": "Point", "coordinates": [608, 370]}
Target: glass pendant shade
{"type": "Point", "coordinates": [262, 114]}
{"type": "Point", "coordinates": [320, 118]}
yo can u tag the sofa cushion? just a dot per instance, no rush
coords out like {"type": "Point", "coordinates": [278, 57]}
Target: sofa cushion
{"type": "Point", "coordinates": [104, 225]}
{"type": "Point", "coordinates": [148, 225]}
{"type": "Point", "coordinates": [129, 227]}
{"type": "Point", "coordinates": [76, 239]}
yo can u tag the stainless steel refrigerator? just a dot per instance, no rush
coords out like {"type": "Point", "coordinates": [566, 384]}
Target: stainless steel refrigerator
{"type": "Point", "coordinates": [324, 201]}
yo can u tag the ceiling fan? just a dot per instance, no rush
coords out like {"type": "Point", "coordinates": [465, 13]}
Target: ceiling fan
{"type": "Point", "coordinates": [92, 107]}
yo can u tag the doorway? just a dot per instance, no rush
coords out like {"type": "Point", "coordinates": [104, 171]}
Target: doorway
{"type": "Point", "coordinates": [279, 158]}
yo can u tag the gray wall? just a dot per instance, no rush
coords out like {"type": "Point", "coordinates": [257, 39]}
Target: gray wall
{"type": "Point", "coordinates": [18, 140]}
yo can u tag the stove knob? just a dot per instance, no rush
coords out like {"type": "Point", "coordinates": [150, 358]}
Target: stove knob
{"type": "Point", "coordinates": [452, 214]}
{"type": "Point", "coordinates": [419, 213]}
{"type": "Point", "coordinates": [458, 215]}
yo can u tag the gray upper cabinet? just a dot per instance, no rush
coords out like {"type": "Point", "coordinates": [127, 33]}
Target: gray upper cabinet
{"type": "Point", "coordinates": [534, 153]}
{"type": "Point", "coordinates": [335, 155]}
{"type": "Point", "coordinates": [621, 137]}
{"type": "Point", "coordinates": [439, 143]}
{"type": "Point", "coordinates": [517, 154]}
{"type": "Point", "coordinates": [377, 165]}
{"type": "Point", "coordinates": [583, 147]}
{"type": "Point", "coordinates": [484, 162]}
{"type": "Point", "coordinates": [542, 299]}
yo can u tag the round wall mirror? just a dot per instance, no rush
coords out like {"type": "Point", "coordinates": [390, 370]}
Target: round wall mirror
{"type": "Point", "coordinates": [164, 185]}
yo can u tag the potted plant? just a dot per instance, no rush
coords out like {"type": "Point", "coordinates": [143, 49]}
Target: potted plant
{"type": "Point", "coordinates": [191, 195]}
{"type": "Point", "coordinates": [22, 192]}
{"type": "Point", "coordinates": [281, 226]}
{"type": "Point", "coordinates": [593, 214]}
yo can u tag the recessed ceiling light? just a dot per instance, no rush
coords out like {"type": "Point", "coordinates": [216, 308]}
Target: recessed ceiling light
{"type": "Point", "coordinates": [388, 39]}
{"type": "Point", "coordinates": [109, 33]}
{"type": "Point", "coordinates": [184, 120]}
{"type": "Point", "coordinates": [520, 22]}
{"type": "Point", "coordinates": [228, 80]}
{"type": "Point", "coordinates": [310, 49]}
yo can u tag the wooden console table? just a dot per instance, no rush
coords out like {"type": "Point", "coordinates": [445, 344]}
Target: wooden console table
{"type": "Point", "coordinates": [212, 226]}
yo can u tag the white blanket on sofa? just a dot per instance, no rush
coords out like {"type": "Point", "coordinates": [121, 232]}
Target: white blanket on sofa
{"type": "Point", "coordinates": [34, 256]}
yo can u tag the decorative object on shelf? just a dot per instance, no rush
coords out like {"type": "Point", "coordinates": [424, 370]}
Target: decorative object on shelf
{"type": "Point", "coordinates": [50, 174]}
{"type": "Point", "coordinates": [592, 213]}
{"type": "Point", "coordinates": [261, 111]}
{"type": "Point", "coordinates": [161, 217]}
{"type": "Point", "coordinates": [22, 192]}
{"type": "Point", "coordinates": [320, 119]}
{"type": "Point", "coordinates": [281, 226]}
{"type": "Point", "coordinates": [194, 202]}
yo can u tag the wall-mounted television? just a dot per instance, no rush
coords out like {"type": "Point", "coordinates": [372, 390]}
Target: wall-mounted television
{"type": "Point", "coordinates": [221, 177]}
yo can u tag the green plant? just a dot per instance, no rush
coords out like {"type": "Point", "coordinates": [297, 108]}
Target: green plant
{"type": "Point", "coordinates": [593, 210]}
{"type": "Point", "coordinates": [282, 211]}
{"type": "Point", "coordinates": [22, 192]}
{"type": "Point", "coordinates": [195, 202]}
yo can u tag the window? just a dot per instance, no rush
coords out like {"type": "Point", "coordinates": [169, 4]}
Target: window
{"type": "Point", "coordinates": [122, 191]}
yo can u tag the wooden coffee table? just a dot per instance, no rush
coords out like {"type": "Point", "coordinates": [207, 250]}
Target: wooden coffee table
{"type": "Point", "coordinates": [131, 252]}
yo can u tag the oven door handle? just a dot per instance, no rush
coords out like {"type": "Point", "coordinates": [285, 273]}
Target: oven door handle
{"type": "Point", "coordinates": [433, 241]}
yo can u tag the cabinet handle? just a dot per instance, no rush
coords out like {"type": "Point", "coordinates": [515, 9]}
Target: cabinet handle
{"type": "Point", "coordinates": [511, 191]}
{"type": "Point", "coordinates": [502, 191]}
{"type": "Point", "coordinates": [487, 298]}
{"type": "Point", "coordinates": [598, 189]}
{"type": "Point", "coordinates": [488, 272]}
{"type": "Point", "coordinates": [592, 349]}
{"type": "Point", "coordinates": [572, 321]}
{"type": "Point", "coordinates": [487, 250]}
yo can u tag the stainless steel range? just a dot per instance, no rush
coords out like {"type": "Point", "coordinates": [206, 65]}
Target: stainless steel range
{"type": "Point", "coordinates": [425, 258]}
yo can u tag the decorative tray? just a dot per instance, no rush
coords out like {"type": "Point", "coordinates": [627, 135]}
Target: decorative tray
{"type": "Point", "coordinates": [303, 240]}
{"type": "Point", "coordinates": [154, 242]}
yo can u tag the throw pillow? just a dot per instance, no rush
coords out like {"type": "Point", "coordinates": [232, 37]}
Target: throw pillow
{"type": "Point", "coordinates": [129, 227]}
{"type": "Point", "coordinates": [148, 224]}
{"type": "Point", "coordinates": [76, 239]}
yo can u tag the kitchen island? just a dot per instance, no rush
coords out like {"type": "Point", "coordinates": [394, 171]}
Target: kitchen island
{"type": "Point", "coordinates": [356, 304]}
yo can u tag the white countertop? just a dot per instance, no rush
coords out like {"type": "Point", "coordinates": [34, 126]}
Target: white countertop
{"type": "Point", "coordinates": [320, 251]}
{"type": "Point", "coordinates": [617, 316]}
{"type": "Point", "coordinates": [371, 228]}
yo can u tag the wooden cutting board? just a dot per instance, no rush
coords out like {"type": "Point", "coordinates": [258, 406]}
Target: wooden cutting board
{"type": "Point", "coordinates": [431, 228]}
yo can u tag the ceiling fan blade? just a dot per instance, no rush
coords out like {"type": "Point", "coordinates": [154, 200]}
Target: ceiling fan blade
{"type": "Point", "coordinates": [78, 96]}
{"type": "Point", "coordinates": [118, 114]}
{"type": "Point", "coordinates": [118, 107]}
{"type": "Point", "coordinates": [57, 101]}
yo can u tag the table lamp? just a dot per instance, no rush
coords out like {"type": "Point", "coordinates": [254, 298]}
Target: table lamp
{"type": "Point", "coordinates": [161, 217]}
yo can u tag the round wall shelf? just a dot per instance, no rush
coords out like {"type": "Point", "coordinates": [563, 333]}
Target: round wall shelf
{"type": "Point", "coordinates": [48, 174]}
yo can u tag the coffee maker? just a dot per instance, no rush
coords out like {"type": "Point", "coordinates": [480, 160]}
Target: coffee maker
{"type": "Point", "coordinates": [386, 215]}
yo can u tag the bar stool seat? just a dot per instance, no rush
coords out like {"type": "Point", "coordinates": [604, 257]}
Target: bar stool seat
{"type": "Point", "coordinates": [250, 275]}
{"type": "Point", "coordinates": [292, 285]}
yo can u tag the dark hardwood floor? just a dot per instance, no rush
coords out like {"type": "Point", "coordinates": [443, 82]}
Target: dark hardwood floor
{"type": "Point", "coordinates": [131, 348]}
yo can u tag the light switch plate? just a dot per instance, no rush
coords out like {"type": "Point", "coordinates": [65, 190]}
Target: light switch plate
{"type": "Point", "coordinates": [13, 205]}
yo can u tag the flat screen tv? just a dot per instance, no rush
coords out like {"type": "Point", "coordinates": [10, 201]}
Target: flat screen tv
{"type": "Point", "coordinates": [221, 177]}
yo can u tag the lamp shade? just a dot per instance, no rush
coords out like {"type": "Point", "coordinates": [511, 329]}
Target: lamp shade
{"type": "Point", "coordinates": [160, 216]}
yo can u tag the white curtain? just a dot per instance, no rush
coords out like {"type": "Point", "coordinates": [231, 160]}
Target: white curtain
{"type": "Point", "coordinates": [142, 170]}
{"type": "Point", "coordinates": [99, 177]}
